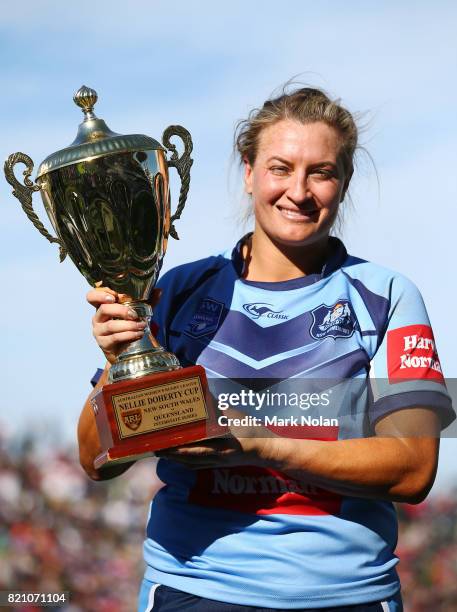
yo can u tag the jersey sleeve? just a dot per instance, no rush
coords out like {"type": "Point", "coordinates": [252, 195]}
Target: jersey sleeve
{"type": "Point", "coordinates": [405, 371]}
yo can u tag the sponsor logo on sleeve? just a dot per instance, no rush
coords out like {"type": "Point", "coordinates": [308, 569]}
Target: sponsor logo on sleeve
{"type": "Point", "coordinates": [337, 321]}
{"type": "Point", "coordinates": [411, 354]}
{"type": "Point", "coordinates": [206, 318]}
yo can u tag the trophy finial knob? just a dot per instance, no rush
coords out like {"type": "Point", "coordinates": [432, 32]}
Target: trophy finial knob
{"type": "Point", "coordinates": [86, 98]}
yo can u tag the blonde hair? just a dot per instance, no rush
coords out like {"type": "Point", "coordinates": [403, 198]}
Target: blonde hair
{"type": "Point", "coordinates": [305, 105]}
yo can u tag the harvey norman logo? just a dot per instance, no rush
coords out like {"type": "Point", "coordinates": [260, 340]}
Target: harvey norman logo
{"type": "Point", "coordinates": [226, 481]}
{"type": "Point", "coordinates": [419, 361]}
{"type": "Point", "coordinates": [260, 309]}
{"type": "Point", "coordinates": [411, 354]}
{"type": "Point", "coordinates": [260, 491]}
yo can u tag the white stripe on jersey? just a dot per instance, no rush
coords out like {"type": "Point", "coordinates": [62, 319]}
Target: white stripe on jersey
{"type": "Point", "coordinates": [151, 597]}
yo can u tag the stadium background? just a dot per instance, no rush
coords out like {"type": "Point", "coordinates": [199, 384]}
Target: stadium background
{"type": "Point", "coordinates": [205, 65]}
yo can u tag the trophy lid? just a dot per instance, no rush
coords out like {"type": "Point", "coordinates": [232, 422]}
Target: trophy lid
{"type": "Point", "coordinates": [94, 138]}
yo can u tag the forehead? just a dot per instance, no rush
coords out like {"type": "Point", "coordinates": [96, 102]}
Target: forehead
{"type": "Point", "coordinates": [288, 138]}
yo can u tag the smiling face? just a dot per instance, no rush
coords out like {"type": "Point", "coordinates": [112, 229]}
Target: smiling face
{"type": "Point", "coordinates": [297, 182]}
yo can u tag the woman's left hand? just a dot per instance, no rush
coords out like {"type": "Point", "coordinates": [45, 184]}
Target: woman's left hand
{"type": "Point", "coordinates": [243, 447]}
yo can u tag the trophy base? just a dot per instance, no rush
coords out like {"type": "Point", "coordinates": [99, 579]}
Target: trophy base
{"type": "Point", "coordinates": [137, 417]}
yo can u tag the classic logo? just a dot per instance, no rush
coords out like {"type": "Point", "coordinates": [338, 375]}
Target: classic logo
{"type": "Point", "coordinates": [132, 419]}
{"type": "Point", "coordinates": [260, 309]}
{"type": "Point", "coordinates": [206, 319]}
{"type": "Point", "coordinates": [337, 321]}
{"type": "Point", "coordinates": [411, 354]}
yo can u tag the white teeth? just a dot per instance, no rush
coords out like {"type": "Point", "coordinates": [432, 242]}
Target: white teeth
{"type": "Point", "coordinates": [295, 214]}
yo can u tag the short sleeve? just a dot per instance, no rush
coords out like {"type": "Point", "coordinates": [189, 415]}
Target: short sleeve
{"type": "Point", "coordinates": [405, 370]}
{"type": "Point", "coordinates": [96, 377]}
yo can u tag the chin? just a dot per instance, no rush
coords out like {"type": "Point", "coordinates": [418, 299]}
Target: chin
{"type": "Point", "coordinates": [299, 239]}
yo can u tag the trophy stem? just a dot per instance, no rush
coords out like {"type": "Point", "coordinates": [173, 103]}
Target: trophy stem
{"type": "Point", "coordinates": [144, 356]}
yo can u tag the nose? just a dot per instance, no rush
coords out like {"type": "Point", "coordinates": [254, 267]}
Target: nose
{"type": "Point", "coordinates": [298, 190]}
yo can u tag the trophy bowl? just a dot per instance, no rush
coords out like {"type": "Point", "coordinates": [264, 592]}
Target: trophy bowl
{"type": "Point", "coordinates": [107, 196]}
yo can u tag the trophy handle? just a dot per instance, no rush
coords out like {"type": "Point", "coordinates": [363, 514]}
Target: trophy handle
{"type": "Point", "coordinates": [182, 164]}
{"type": "Point", "coordinates": [24, 193]}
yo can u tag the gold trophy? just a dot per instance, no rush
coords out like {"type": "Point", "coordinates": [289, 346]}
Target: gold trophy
{"type": "Point", "coordinates": [108, 199]}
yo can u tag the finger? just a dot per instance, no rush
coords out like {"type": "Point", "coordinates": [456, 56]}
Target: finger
{"type": "Point", "coordinates": [115, 326]}
{"type": "Point", "coordinates": [101, 295]}
{"type": "Point", "coordinates": [112, 343]}
{"type": "Point", "coordinates": [105, 312]}
{"type": "Point", "coordinates": [200, 450]}
{"type": "Point", "coordinates": [187, 454]}
{"type": "Point", "coordinates": [194, 451]}
{"type": "Point", "coordinates": [184, 453]}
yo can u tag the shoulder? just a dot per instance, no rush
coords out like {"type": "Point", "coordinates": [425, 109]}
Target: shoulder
{"type": "Point", "coordinates": [186, 275]}
{"type": "Point", "coordinates": [378, 279]}
{"type": "Point", "coordinates": [386, 294]}
{"type": "Point", "coordinates": [182, 283]}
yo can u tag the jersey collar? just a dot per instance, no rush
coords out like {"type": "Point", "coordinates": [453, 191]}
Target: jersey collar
{"type": "Point", "coordinates": [336, 258]}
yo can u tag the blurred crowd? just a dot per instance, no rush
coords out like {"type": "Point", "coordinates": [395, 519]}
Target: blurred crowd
{"type": "Point", "coordinates": [427, 548]}
{"type": "Point", "coordinates": [60, 532]}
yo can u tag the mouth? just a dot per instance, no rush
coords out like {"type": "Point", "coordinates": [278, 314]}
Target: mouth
{"type": "Point", "coordinates": [297, 214]}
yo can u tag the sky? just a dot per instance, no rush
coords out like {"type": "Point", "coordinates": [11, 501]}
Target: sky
{"type": "Point", "coordinates": [205, 65]}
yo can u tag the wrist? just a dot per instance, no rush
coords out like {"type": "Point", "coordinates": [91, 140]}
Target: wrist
{"type": "Point", "coordinates": [285, 454]}
{"type": "Point", "coordinates": [274, 452]}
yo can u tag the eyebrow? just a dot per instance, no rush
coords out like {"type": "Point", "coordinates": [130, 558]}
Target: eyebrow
{"type": "Point", "coordinates": [278, 158]}
{"type": "Point", "coordinates": [325, 163]}
{"type": "Point", "coordinates": [321, 163]}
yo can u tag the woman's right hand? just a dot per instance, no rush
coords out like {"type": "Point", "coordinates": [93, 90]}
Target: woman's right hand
{"type": "Point", "coordinates": [114, 325]}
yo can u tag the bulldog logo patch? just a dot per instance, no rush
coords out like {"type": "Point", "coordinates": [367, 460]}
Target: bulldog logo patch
{"type": "Point", "coordinates": [337, 321]}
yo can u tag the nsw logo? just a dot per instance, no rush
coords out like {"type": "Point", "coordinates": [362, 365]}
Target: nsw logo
{"type": "Point", "coordinates": [261, 309]}
{"type": "Point", "coordinates": [337, 321]}
{"type": "Point", "coordinates": [206, 319]}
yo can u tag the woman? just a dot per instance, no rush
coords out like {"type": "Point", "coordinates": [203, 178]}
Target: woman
{"type": "Point", "coordinates": [289, 303]}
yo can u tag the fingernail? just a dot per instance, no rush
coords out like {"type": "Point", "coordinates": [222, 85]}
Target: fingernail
{"type": "Point", "coordinates": [131, 314]}
{"type": "Point", "coordinates": [109, 297]}
{"type": "Point", "coordinates": [141, 325]}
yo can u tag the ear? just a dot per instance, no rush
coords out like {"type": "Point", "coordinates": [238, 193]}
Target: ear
{"type": "Point", "coordinates": [247, 175]}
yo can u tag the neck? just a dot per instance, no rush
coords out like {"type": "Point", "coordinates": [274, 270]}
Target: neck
{"type": "Point", "coordinates": [267, 261]}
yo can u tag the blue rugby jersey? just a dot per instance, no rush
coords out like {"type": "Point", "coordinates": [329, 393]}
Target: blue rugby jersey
{"type": "Point", "coordinates": [210, 532]}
